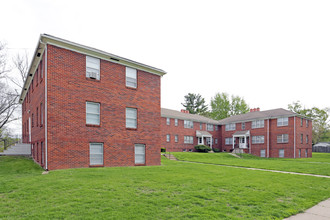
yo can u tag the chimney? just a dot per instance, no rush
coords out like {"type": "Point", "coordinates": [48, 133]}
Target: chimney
{"type": "Point", "coordinates": [251, 109]}
{"type": "Point", "coordinates": [184, 111]}
{"type": "Point", "coordinates": [258, 109]}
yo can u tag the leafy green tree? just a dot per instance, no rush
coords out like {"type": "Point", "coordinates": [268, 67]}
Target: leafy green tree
{"type": "Point", "coordinates": [195, 104]}
{"type": "Point", "coordinates": [223, 106]}
{"type": "Point", "coordinates": [320, 118]}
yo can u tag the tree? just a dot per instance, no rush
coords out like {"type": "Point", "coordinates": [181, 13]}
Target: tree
{"type": "Point", "coordinates": [195, 104]}
{"type": "Point", "coordinates": [8, 97]}
{"type": "Point", "coordinates": [320, 120]}
{"type": "Point", "coordinates": [223, 106]}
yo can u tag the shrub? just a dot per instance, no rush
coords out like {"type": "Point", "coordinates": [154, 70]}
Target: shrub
{"type": "Point", "coordinates": [202, 148]}
{"type": "Point", "coordinates": [162, 149]}
{"type": "Point", "coordinates": [216, 150]}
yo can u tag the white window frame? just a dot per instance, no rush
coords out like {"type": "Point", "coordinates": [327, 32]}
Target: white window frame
{"type": "Point", "coordinates": [216, 140]}
{"type": "Point", "coordinates": [130, 119]}
{"type": "Point", "coordinates": [176, 122]}
{"type": "Point", "coordinates": [307, 123]}
{"type": "Point", "coordinates": [176, 138]}
{"type": "Point", "coordinates": [258, 139]}
{"type": "Point", "coordinates": [168, 121]}
{"type": "Point", "coordinates": [306, 138]}
{"type": "Point", "coordinates": [188, 124]}
{"type": "Point", "coordinates": [306, 152]}
{"type": "Point", "coordinates": [168, 138]}
{"type": "Point", "coordinates": [258, 124]}
{"type": "Point", "coordinates": [283, 138]}
{"type": "Point", "coordinates": [209, 127]}
{"type": "Point", "coordinates": [301, 138]}
{"type": "Point", "coordinates": [200, 126]}
{"type": "Point", "coordinates": [88, 112]}
{"type": "Point", "coordinates": [230, 127]}
{"type": "Point", "coordinates": [281, 153]}
{"type": "Point", "coordinates": [138, 154]}
{"type": "Point", "coordinates": [92, 66]}
{"type": "Point", "coordinates": [100, 155]}
{"type": "Point", "coordinates": [188, 139]}
{"type": "Point", "coordinates": [131, 77]}
{"type": "Point", "coordinates": [284, 121]}
{"type": "Point", "coordinates": [243, 126]}
{"type": "Point", "coordinates": [229, 141]}
{"type": "Point", "coordinates": [262, 153]}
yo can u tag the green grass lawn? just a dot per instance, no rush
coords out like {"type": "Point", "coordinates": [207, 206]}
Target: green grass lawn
{"type": "Point", "coordinates": [318, 164]}
{"type": "Point", "coordinates": [174, 190]}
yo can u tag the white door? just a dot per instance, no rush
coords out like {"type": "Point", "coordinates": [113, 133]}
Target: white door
{"type": "Point", "coordinates": [242, 142]}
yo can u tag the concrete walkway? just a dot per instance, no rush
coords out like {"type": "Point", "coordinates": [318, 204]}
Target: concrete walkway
{"type": "Point", "coordinates": [319, 212]}
{"type": "Point", "coordinates": [17, 150]}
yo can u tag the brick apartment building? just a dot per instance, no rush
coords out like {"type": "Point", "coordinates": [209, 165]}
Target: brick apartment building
{"type": "Point", "coordinates": [84, 107]}
{"type": "Point", "coordinates": [272, 133]}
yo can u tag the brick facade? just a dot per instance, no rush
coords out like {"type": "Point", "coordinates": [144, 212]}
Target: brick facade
{"type": "Point", "coordinates": [54, 100]}
{"type": "Point", "coordinates": [68, 135]}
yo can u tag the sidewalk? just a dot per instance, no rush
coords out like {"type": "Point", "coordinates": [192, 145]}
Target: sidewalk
{"type": "Point", "coordinates": [319, 212]}
{"type": "Point", "coordinates": [17, 150]}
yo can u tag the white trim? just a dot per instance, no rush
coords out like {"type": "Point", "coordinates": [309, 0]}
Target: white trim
{"type": "Point", "coordinates": [46, 102]}
{"type": "Point", "coordinates": [294, 136]}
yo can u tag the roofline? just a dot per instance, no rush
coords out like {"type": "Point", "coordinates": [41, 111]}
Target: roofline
{"type": "Point", "coordinates": [45, 39]}
{"type": "Point", "coordinates": [208, 120]}
{"type": "Point", "coordinates": [265, 118]}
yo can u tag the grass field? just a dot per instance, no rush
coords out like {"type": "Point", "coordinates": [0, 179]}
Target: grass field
{"type": "Point", "coordinates": [318, 164]}
{"type": "Point", "coordinates": [174, 190]}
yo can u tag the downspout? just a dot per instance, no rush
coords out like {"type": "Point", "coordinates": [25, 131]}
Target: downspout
{"type": "Point", "coordinates": [294, 137]}
{"type": "Point", "coordinates": [45, 76]}
{"type": "Point", "coordinates": [268, 138]}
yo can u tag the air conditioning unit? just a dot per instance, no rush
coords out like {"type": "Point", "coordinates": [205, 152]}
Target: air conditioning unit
{"type": "Point", "coordinates": [92, 75]}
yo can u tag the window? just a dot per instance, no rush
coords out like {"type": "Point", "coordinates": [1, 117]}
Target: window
{"type": "Point", "coordinates": [282, 121]}
{"type": "Point", "coordinates": [209, 127]}
{"type": "Point", "coordinates": [208, 141]}
{"type": "Point", "coordinates": [168, 138]}
{"type": "Point", "coordinates": [92, 113]}
{"type": "Point", "coordinates": [200, 126]}
{"type": "Point", "coordinates": [283, 138]}
{"type": "Point", "coordinates": [281, 153]}
{"type": "Point", "coordinates": [96, 154]}
{"type": "Point", "coordinates": [168, 121]}
{"type": "Point", "coordinates": [41, 115]}
{"type": "Point", "coordinates": [188, 124]}
{"type": "Point", "coordinates": [306, 139]}
{"type": "Point", "coordinates": [131, 77]}
{"type": "Point", "coordinates": [258, 139]}
{"type": "Point", "coordinates": [176, 138]}
{"type": "Point", "coordinates": [306, 123]}
{"type": "Point", "coordinates": [301, 138]}
{"type": "Point", "coordinates": [258, 124]}
{"type": "Point", "coordinates": [131, 118]}
{"type": "Point", "coordinates": [263, 153]}
{"type": "Point", "coordinates": [243, 126]}
{"type": "Point", "coordinates": [140, 153]}
{"type": "Point", "coordinates": [230, 127]}
{"type": "Point", "coordinates": [229, 141]}
{"type": "Point", "coordinates": [176, 122]}
{"type": "Point", "coordinates": [188, 139]}
{"type": "Point", "coordinates": [301, 122]}
{"type": "Point", "coordinates": [299, 153]}
{"type": "Point", "coordinates": [32, 124]}
{"type": "Point", "coordinates": [216, 141]}
{"type": "Point", "coordinates": [216, 127]}
{"type": "Point", "coordinates": [92, 68]}
{"type": "Point", "coordinates": [37, 74]}
{"type": "Point", "coordinates": [306, 152]}
{"type": "Point", "coordinates": [42, 153]}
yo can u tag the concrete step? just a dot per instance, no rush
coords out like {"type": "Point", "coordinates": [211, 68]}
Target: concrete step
{"type": "Point", "coordinates": [170, 156]}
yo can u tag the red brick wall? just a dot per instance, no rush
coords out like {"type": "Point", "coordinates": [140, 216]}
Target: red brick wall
{"type": "Point", "coordinates": [68, 91]}
{"type": "Point", "coordinates": [181, 131]}
{"type": "Point", "coordinates": [274, 130]}
{"type": "Point", "coordinates": [32, 106]}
